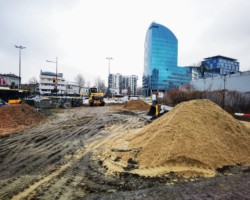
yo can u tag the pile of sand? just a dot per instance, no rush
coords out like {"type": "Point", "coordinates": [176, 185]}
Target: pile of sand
{"type": "Point", "coordinates": [17, 117]}
{"type": "Point", "coordinates": [193, 139]}
{"type": "Point", "coordinates": [137, 105]}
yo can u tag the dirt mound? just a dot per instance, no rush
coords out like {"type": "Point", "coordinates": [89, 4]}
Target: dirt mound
{"type": "Point", "coordinates": [15, 117]}
{"type": "Point", "coordinates": [137, 105]}
{"type": "Point", "coordinates": [193, 139]}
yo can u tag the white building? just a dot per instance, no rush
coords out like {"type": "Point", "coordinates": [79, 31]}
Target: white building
{"type": "Point", "coordinates": [126, 85]}
{"type": "Point", "coordinates": [73, 89]}
{"type": "Point", "coordinates": [133, 84]}
{"type": "Point", "coordinates": [115, 83]}
{"type": "Point", "coordinates": [47, 86]}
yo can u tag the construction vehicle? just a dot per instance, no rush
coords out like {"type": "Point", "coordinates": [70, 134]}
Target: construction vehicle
{"type": "Point", "coordinates": [154, 109]}
{"type": "Point", "coordinates": [96, 98]}
{"type": "Point", "coordinates": [15, 101]}
{"type": "Point", "coordinates": [157, 110]}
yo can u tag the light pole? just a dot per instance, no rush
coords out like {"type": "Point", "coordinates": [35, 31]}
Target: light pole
{"type": "Point", "coordinates": [56, 72]}
{"type": "Point", "coordinates": [20, 48]}
{"type": "Point", "coordinates": [109, 58]}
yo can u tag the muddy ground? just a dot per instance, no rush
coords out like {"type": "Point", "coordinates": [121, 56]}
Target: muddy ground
{"type": "Point", "coordinates": [53, 161]}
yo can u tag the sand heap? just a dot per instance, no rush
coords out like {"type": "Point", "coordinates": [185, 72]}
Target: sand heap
{"type": "Point", "coordinates": [193, 139]}
{"type": "Point", "coordinates": [16, 117]}
{"type": "Point", "coordinates": [137, 105]}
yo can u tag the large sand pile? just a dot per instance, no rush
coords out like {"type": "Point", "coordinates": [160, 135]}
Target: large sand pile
{"type": "Point", "coordinates": [137, 105]}
{"type": "Point", "coordinates": [17, 117]}
{"type": "Point", "coordinates": [193, 139]}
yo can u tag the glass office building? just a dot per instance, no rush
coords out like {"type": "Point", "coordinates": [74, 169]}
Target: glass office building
{"type": "Point", "coordinates": [161, 72]}
{"type": "Point", "coordinates": [221, 64]}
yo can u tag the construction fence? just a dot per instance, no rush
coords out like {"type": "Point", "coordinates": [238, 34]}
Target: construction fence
{"type": "Point", "coordinates": [51, 103]}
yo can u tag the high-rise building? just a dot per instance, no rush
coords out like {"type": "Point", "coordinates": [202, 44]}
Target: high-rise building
{"type": "Point", "coordinates": [129, 85]}
{"type": "Point", "coordinates": [115, 83]}
{"type": "Point", "coordinates": [123, 85]}
{"type": "Point", "coordinates": [161, 72]}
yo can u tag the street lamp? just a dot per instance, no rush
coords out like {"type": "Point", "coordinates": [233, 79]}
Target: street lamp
{"type": "Point", "coordinates": [109, 58]}
{"type": "Point", "coordinates": [20, 48]}
{"type": "Point", "coordinates": [56, 72]}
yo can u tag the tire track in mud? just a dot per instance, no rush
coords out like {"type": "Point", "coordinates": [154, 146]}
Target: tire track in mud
{"type": "Point", "coordinates": [39, 140]}
{"type": "Point", "coordinates": [29, 147]}
{"type": "Point", "coordinates": [25, 159]}
{"type": "Point", "coordinates": [78, 177]}
{"type": "Point", "coordinates": [50, 176]}
{"type": "Point", "coordinates": [41, 160]}
{"type": "Point", "coordinates": [31, 191]}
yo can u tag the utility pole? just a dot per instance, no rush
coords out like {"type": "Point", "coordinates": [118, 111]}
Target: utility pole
{"type": "Point", "coordinates": [224, 91]}
{"type": "Point", "coordinates": [20, 48]}
{"type": "Point", "coordinates": [56, 81]}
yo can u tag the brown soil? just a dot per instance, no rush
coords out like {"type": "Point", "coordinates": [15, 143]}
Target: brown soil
{"type": "Point", "coordinates": [18, 117]}
{"type": "Point", "coordinates": [137, 105]}
{"type": "Point", "coordinates": [194, 139]}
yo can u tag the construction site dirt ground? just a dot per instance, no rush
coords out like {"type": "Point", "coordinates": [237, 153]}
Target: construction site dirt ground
{"type": "Point", "coordinates": [53, 160]}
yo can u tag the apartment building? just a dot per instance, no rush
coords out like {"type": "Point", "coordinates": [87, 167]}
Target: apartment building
{"type": "Point", "coordinates": [47, 84]}
{"type": "Point", "coordinates": [123, 85]}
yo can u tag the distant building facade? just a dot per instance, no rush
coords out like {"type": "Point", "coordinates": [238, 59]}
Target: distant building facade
{"type": "Point", "coordinates": [73, 89]}
{"type": "Point", "coordinates": [219, 65]}
{"type": "Point", "coordinates": [9, 80]}
{"type": "Point", "coordinates": [115, 83]}
{"type": "Point", "coordinates": [46, 84]}
{"type": "Point", "coordinates": [161, 72]}
{"type": "Point", "coordinates": [129, 85]}
{"type": "Point", "coordinates": [123, 85]}
{"type": "Point", "coordinates": [215, 66]}
{"type": "Point", "coordinates": [222, 64]}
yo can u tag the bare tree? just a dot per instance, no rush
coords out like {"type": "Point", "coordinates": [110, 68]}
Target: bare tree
{"type": "Point", "coordinates": [80, 81]}
{"type": "Point", "coordinates": [33, 80]}
{"type": "Point", "coordinates": [88, 84]}
{"type": "Point", "coordinates": [100, 84]}
{"type": "Point", "coordinates": [33, 83]}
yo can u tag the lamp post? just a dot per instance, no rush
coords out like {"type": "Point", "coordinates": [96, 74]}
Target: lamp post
{"type": "Point", "coordinates": [56, 72]}
{"type": "Point", "coordinates": [20, 48]}
{"type": "Point", "coordinates": [109, 58]}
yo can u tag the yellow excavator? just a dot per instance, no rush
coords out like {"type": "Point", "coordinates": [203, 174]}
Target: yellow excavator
{"type": "Point", "coordinates": [96, 98]}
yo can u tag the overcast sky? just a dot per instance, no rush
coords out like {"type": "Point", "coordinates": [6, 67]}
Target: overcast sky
{"type": "Point", "coordinates": [82, 33]}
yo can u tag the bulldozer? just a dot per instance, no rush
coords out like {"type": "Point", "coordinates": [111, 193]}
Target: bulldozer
{"type": "Point", "coordinates": [96, 98]}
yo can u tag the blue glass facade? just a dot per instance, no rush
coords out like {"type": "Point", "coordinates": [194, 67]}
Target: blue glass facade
{"type": "Point", "coordinates": [161, 72]}
{"type": "Point", "coordinates": [221, 64]}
